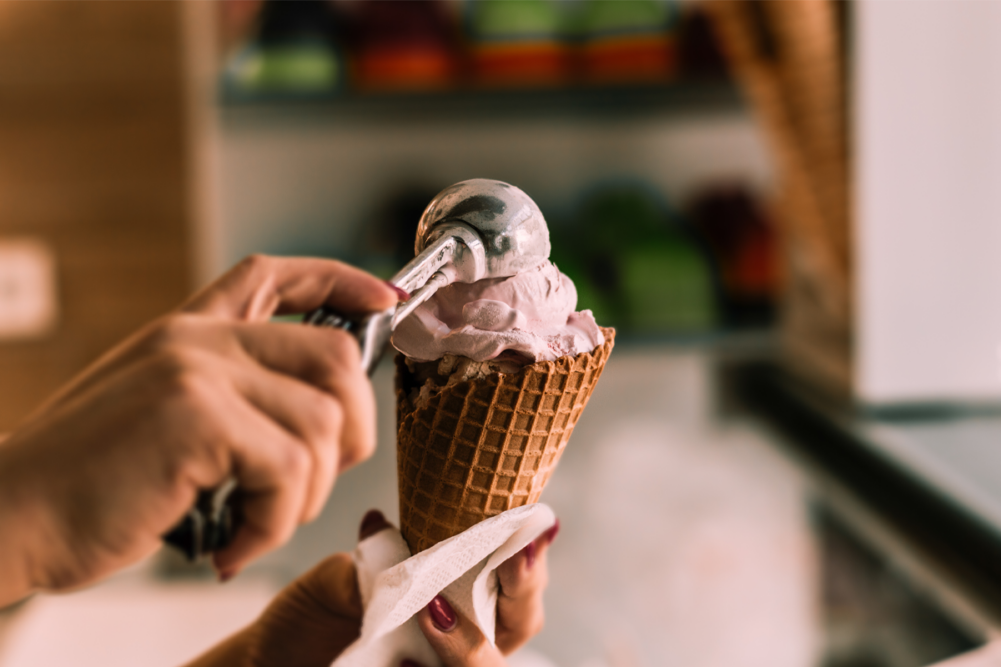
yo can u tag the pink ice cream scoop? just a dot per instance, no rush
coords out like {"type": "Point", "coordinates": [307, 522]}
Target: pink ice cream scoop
{"type": "Point", "coordinates": [530, 316]}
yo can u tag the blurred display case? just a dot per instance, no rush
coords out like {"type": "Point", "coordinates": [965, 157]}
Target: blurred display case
{"type": "Point", "coordinates": [618, 118]}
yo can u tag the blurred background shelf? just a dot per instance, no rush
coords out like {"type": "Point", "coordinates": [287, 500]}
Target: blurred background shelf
{"type": "Point", "coordinates": [680, 97]}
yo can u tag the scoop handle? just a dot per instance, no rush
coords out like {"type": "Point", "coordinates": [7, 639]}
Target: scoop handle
{"type": "Point", "coordinates": [210, 524]}
{"type": "Point", "coordinates": [372, 331]}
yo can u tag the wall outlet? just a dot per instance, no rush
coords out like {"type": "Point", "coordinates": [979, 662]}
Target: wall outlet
{"type": "Point", "coordinates": [28, 302]}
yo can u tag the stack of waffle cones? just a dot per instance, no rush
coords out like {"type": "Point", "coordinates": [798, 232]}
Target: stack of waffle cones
{"type": "Point", "coordinates": [471, 448]}
{"type": "Point", "coordinates": [789, 59]}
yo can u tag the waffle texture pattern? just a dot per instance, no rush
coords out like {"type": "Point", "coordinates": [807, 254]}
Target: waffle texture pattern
{"type": "Point", "coordinates": [479, 447]}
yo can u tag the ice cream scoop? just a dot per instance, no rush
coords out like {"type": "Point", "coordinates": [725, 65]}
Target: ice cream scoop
{"type": "Point", "coordinates": [529, 316]}
{"type": "Point", "coordinates": [471, 231]}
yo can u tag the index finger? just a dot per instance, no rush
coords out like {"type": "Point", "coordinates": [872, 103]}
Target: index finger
{"type": "Point", "coordinates": [261, 286]}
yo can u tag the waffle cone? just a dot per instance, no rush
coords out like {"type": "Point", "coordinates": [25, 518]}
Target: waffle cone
{"type": "Point", "coordinates": [474, 448]}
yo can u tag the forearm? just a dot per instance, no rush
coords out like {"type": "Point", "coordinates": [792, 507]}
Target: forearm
{"type": "Point", "coordinates": [16, 535]}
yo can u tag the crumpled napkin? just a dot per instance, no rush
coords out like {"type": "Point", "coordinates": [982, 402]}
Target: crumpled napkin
{"type": "Point", "coordinates": [395, 586]}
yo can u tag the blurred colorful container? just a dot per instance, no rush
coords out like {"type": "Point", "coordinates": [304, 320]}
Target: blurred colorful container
{"type": "Point", "coordinates": [294, 51]}
{"type": "Point", "coordinates": [635, 263]}
{"type": "Point", "coordinates": [404, 45]}
{"type": "Point", "coordinates": [631, 41]}
{"type": "Point", "coordinates": [518, 42]}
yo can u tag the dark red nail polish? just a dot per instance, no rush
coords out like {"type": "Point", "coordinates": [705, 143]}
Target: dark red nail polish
{"type": "Point", "coordinates": [442, 613]}
{"type": "Point", "coordinates": [409, 663]}
{"type": "Point", "coordinates": [552, 532]}
{"type": "Point", "coordinates": [401, 293]}
{"type": "Point", "coordinates": [529, 555]}
{"type": "Point", "coordinates": [371, 519]}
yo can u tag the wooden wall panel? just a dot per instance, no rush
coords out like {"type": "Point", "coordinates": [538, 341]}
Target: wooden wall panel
{"type": "Point", "coordinates": [93, 160]}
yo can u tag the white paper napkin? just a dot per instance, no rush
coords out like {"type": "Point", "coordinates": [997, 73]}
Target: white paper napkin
{"type": "Point", "coordinates": [395, 586]}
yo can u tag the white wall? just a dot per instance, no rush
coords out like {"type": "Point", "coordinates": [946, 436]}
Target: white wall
{"type": "Point", "coordinates": [928, 159]}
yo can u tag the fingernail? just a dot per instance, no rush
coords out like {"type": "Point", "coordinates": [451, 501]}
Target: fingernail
{"type": "Point", "coordinates": [552, 532]}
{"type": "Point", "coordinates": [409, 663]}
{"type": "Point", "coordinates": [371, 519]}
{"type": "Point", "coordinates": [529, 555]}
{"type": "Point", "coordinates": [401, 293]}
{"type": "Point", "coordinates": [226, 575]}
{"type": "Point", "coordinates": [442, 613]}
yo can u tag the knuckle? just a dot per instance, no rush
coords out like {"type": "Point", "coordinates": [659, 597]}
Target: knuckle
{"type": "Point", "coordinates": [296, 462]}
{"type": "Point", "coordinates": [254, 264]}
{"type": "Point", "coordinates": [312, 514]}
{"type": "Point", "coordinates": [275, 533]}
{"type": "Point", "coordinates": [360, 448]}
{"type": "Point", "coordinates": [314, 507]}
{"type": "Point", "coordinates": [343, 348]}
{"type": "Point", "coordinates": [327, 421]}
{"type": "Point", "coordinates": [202, 457]}
{"type": "Point", "coordinates": [323, 365]}
{"type": "Point", "coordinates": [356, 451]}
{"type": "Point", "coordinates": [281, 533]}
{"type": "Point", "coordinates": [171, 330]}
{"type": "Point", "coordinates": [182, 372]}
{"type": "Point", "coordinates": [322, 420]}
{"type": "Point", "coordinates": [365, 450]}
